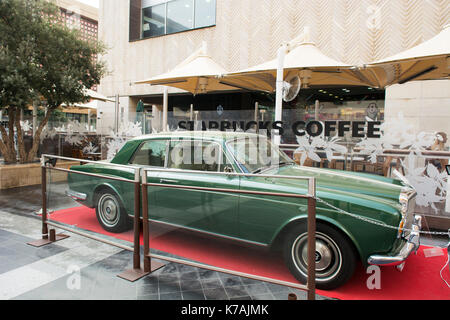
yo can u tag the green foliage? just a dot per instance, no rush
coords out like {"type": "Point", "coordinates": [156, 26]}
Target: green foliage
{"type": "Point", "coordinates": [41, 60]}
{"type": "Point", "coordinates": [56, 117]}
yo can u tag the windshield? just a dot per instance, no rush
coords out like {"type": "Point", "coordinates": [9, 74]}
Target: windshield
{"type": "Point", "coordinates": [255, 154]}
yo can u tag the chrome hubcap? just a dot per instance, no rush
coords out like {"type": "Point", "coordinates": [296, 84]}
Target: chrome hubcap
{"type": "Point", "coordinates": [108, 210]}
{"type": "Point", "coordinates": [328, 256]}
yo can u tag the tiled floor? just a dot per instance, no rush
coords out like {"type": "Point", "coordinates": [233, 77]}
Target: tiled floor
{"type": "Point", "coordinates": [14, 252]}
{"type": "Point", "coordinates": [172, 282]}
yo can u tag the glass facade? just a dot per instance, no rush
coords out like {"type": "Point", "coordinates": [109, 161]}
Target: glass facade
{"type": "Point", "coordinates": [167, 17]}
{"type": "Point", "coordinates": [154, 21]}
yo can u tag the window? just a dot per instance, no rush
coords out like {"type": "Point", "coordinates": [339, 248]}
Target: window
{"type": "Point", "coordinates": [195, 155]}
{"type": "Point", "coordinates": [205, 13]}
{"type": "Point", "coordinates": [151, 153]}
{"type": "Point", "coordinates": [160, 17]}
{"type": "Point", "coordinates": [180, 15]}
{"type": "Point", "coordinates": [154, 21]}
{"type": "Point", "coordinates": [254, 154]}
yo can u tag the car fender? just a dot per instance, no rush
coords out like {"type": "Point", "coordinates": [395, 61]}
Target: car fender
{"type": "Point", "coordinates": [319, 217]}
{"type": "Point", "coordinates": [109, 186]}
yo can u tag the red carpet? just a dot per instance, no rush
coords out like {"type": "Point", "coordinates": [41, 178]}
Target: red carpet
{"type": "Point", "coordinates": [419, 280]}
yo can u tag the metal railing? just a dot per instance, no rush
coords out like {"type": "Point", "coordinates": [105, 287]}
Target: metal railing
{"type": "Point", "coordinates": [49, 236]}
{"type": "Point", "coordinates": [311, 242]}
{"type": "Point", "coordinates": [141, 186]}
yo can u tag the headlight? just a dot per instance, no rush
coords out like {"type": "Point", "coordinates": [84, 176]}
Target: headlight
{"type": "Point", "coordinates": [404, 199]}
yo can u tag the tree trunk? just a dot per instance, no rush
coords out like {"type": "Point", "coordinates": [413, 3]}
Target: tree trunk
{"type": "Point", "coordinates": [37, 137]}
{"type": "Point", "coordinates": [7, 144]}
{"type": "Point", "coordinates": [20, 141]}
{"type": "Point", "coordinates": [4, 146]}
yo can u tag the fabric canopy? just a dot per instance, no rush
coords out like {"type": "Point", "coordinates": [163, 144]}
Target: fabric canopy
{"type": "Point", "coordinates": [197, 74]}
{"type": "Point", "coordinates": [89, 105]}
{"type": "Point", "coordinates": [97, 96]}
{"type": "Point", "coordinates": [304, 59]}
{"type": "Point", "coordinates": [427, 61]}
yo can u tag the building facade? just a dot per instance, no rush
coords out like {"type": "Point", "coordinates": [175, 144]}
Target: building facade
{"type": "Point", "coordinates": [84, 18]}
{"type": "Point", "coordinates": [150, 37]}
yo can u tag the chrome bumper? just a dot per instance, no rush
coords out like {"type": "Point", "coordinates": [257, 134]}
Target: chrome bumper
{"type": "Point", "coordinates": [412, 245]}
{"type": "Point", "coordinates": [78, 196]}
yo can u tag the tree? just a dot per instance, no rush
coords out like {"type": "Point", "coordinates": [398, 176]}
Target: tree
{"type": "Point", "coordinates": [40, 60]}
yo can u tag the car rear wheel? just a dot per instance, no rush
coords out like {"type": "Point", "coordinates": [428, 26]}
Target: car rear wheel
{"type": "Point", "coordinates": [110, 212]}
{"type": "Point", "coordinates": [335, 256]}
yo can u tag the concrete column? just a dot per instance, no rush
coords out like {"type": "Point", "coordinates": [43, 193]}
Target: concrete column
{"type": "Point", "coordinates": [165, 108]}
{"type": "Point", "coordinates": [35, 107]}
{"type": "Point", "coordinates": [279, 89]}
{"type": "Point", "coordinates": [316, 110]}
{"type": "Point", "coordinates": [156, 120]}
{"type": "Point", "coordinates": [89, 120]}
{"type": "Point", "coordinates": [116, 114]}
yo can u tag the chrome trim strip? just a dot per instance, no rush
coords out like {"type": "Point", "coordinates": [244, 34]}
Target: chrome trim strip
{"type": "Point", "coordinates": [209, 233]}
{"type": "Point", "coordinates": [76, 195]}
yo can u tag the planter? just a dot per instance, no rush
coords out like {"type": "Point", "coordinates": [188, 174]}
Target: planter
{"type": "Point", "coordinates": [21, 175]}
{"type": "Point", "coordinates": [440, 223]}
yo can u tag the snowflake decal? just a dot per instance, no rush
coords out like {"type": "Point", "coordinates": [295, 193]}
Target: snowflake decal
{"type": "Point", "coordinates": [26, 125]}
{"type": "Point", "coordinates": [126, 131]}
{"type": "Point", "coordinates": [310, 145]}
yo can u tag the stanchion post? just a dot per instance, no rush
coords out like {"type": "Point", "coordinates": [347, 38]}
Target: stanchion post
{"type": "Point", "coordinates": [44, 199]}
{"type": "Point", "coordinates": [145, 233]}
{"type": "Point", "coordinates": [136, 273]}
{"type": "Point", "coordinates": [148, 265]}
{"type": "Point", "coordinates": [311, 284]}
{"type": "Point", "coordinates": [47, 237]}
{"type": "Point", "coordinates": [137, 217]}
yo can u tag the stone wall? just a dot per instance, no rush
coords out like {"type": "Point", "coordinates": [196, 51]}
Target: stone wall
{"type": "Point", "coordinates": [21, 175]}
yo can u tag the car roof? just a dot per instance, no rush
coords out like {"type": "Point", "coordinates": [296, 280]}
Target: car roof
{"type": "Point", "coordinates": [207, 135]}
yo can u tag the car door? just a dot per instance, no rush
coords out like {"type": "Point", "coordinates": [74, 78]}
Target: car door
{"type": "Point", "coordinates": [206, 210]}
{"type": "Point", "coordinates": [151, 154]}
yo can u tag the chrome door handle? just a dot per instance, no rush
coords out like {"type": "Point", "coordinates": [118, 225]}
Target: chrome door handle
{"type": "Point", "coordinates": [168, 181]}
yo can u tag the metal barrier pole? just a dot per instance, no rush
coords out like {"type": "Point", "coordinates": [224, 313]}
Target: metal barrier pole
{"type": "Point", "coordinates": [145, 233]}
{"type": "Point", "coordinates": [136, 272]}
{"type": "Point", "coordinates": [149, 267]}
{"type": "Point", "coordinates": [312, 240]}
{"type": "Point", "coordinates": [137, 217]}
{"type": "Point", "coordinates": [44, 199]}
{"type": "Point", "coordinates": [47, 237]}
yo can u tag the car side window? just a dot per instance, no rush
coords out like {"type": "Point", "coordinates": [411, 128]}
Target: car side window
{"type": "Point", "coordinates": [151, 153]}
{"type": "Point", "coordinates": [195, 155]}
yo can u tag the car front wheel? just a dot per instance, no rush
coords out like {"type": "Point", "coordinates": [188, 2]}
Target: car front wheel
{"type": "Point", "coordinates": [335, 256]}
{"type": "Point", "coordinates": [110, 212]}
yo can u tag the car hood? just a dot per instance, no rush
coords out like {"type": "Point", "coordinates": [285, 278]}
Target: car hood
{"type": "Point", "coordinates": [358, 188]}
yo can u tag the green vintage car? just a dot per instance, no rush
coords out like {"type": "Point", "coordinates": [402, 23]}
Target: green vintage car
{"type": "Point", "coordinates": [274, 222]}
